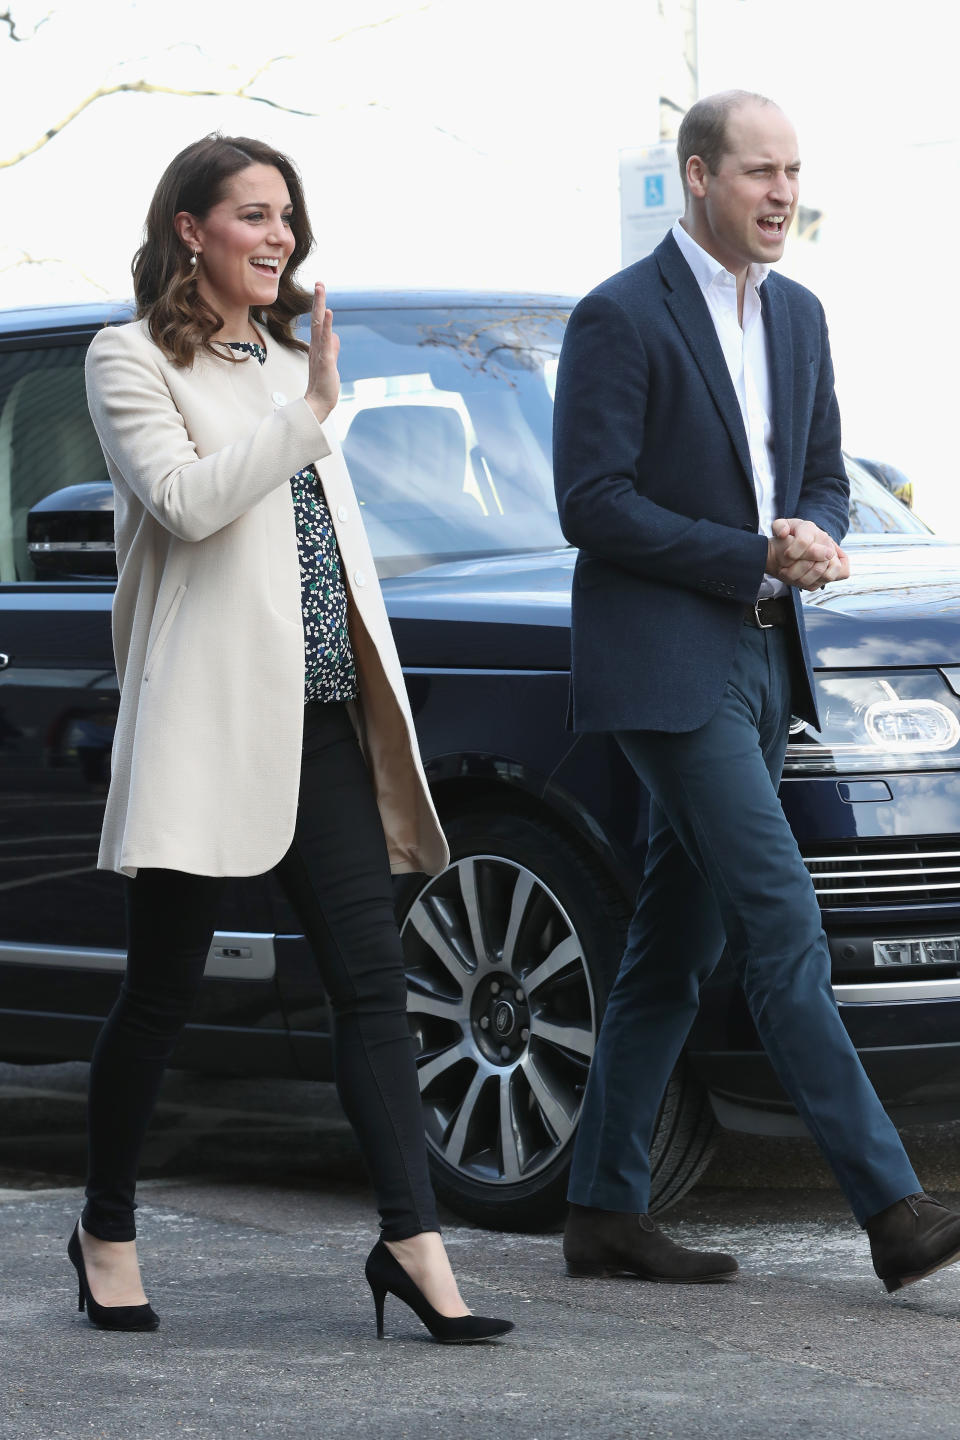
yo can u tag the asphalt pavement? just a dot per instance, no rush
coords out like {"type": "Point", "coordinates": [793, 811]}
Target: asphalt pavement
{"type": "Point", "coordinates": [255, 1221]}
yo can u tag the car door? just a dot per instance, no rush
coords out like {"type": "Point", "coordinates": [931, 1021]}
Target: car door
{"type": "Point", "coordinates": [62, 920]}
{"type": "Point", "coordinates": [58, 691]}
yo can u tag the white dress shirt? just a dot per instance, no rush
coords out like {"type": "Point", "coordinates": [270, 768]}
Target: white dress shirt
{"type": "Point", "coordinates": [745, 351]}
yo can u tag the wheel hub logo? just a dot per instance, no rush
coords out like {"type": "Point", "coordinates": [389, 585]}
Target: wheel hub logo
{"type": "Point", "coordinates": [503, 1019]}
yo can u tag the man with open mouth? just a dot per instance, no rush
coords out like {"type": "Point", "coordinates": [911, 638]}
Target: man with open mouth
{"type": "Point", "coordinates": [698, 470]}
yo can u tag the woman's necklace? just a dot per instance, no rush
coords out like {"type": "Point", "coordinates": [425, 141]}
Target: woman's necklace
{"type": "Point", "coordinates": [253, 338]}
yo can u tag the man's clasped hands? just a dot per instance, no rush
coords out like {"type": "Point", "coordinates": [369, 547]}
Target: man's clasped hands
{"type": "Point", "coordinates": [801, 554]}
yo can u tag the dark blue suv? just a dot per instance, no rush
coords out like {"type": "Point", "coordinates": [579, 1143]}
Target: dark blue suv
{"type": "Point", "coordinates": [445, 423]}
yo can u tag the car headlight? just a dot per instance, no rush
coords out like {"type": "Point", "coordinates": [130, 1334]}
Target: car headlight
{"type": "Point", "coordinates": [902, 720]}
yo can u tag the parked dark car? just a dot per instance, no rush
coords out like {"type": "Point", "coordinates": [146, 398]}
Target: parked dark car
{"type": "Point", "coordinates": [445, 423]}
{"type": "Point", "coordinates": [891, 478]}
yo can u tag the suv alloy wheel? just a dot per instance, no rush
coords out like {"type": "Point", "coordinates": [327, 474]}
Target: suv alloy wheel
{"type": "Point", "coordinates": [510, 953]}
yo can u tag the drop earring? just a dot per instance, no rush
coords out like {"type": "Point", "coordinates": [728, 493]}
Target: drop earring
{"type": "Point", "coordinates": [193, 259]}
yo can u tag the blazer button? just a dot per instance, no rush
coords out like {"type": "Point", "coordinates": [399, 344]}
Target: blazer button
{"type": "Point", "coordinates": [359, 578]}
{"type": "Point", "coordinates": [278, 397]}
{"type": "Point", "coordinates": [343, 513]}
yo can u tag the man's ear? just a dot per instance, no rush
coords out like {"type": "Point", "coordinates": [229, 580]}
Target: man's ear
{"type": "Point", "coordinates": [697, 174]}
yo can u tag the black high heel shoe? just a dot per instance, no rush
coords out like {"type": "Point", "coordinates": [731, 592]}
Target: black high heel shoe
{"type": "Point", "coordinates": [385, 1273]}
{"type": "Point", "coordinates": [107, 1317]}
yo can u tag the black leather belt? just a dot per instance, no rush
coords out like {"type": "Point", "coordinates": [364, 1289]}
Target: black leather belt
{"type": "Point", "coordinates": [777, 610]}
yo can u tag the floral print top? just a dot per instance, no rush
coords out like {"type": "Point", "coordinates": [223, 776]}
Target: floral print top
{"type": "Point", "coordinates": [330, 671]}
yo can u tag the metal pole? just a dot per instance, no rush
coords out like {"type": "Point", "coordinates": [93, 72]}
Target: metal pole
{"type": "Point", "coordinates": [679, 62]}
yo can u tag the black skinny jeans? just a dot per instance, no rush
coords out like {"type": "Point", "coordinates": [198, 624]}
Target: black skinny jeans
{"type": "Point", "coordinates": [336, 875]}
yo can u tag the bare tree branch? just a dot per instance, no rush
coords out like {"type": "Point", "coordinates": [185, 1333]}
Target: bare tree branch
{"type": "Point", "coordinates": [7, 19]}
{"type": "Point", "coordinates": [168, 50]}
{"type": "Point", "coordinates": [145, 87]}
{"type": "Point", "coordinates": [331, 40]}
{"type": "Point", "coordinates": [27, 259]}
{"type": "Point", "coordinates": [242, 92]}
{"type": "Point", "coordinates": [378, 24]}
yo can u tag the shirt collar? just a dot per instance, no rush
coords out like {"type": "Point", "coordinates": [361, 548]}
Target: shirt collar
{"type": "Point", "coordinates": [706, 270]}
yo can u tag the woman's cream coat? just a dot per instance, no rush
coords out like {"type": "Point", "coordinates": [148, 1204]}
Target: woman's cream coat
{"type": "Point", "coordinates": [207, 626]}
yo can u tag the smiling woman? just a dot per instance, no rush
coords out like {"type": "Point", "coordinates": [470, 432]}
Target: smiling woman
{"type": "Point", "coordinates": [226, 232]}
{"type": "Point", "coordinates": [240, 248]}
{"type": "Point", "coordinates": [253, 651]}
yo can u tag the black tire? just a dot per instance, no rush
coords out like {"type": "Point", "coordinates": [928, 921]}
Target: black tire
{"type": "Point", "coordinates": [684, 1139]}
{"type": "Point", "coordinates": [501, 1110]}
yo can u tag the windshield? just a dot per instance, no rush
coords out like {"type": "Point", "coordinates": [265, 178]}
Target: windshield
{"type": "Point", "coordinates": [874, 511]}
{"type": "Point", "coordinates": [445, 421]}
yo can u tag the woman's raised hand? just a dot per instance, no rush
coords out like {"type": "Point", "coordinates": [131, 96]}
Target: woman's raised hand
{"type": "Point", "coordinates": [323, 380]}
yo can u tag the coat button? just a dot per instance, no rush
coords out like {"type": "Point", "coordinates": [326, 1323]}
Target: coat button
{"type": "Point", "coordinates": [279, 398]}
{"type": "Point", "coordinates": [359, 578]}
{"type": "Point", "coordinates": [343, 513]}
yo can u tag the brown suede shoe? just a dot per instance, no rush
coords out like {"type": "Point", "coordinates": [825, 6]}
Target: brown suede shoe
{"type": "Point", "coordinates": [912, 1238]}
{"type": "Point", "coordinates": [609, 1242]}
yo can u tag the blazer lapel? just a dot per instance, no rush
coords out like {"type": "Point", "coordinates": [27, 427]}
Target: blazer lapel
{"type": "Point", "coordinates": [689, 309]}
{"type": "Point", "coordinates": [776, 324]}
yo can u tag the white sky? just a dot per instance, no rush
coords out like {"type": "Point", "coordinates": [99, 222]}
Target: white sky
{"type": "Point", "coordinates": [474, 143]}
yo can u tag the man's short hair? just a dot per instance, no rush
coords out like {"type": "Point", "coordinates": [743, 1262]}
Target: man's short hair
{"type": "Point", "coordinates": [703, 130]}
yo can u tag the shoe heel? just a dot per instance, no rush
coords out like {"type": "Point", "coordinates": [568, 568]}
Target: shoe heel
{"type": "Point", "coordinates": [588, 1267]}
{"type": "Point", "coordinates": [386, 1276]}
{"type": "Point", "coordinates": [105, 1317]}
{"type": "Point", "coordinates": [378, 1298]}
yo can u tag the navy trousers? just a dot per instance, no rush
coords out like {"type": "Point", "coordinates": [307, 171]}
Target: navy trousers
{"type": "Point", "coordinates": [723, 867]}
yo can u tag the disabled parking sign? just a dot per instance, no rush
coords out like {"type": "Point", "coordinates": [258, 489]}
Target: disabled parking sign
{"type": "Point", "coordinates": [651, 198]}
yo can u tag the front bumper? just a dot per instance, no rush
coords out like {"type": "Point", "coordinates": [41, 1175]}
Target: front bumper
{"type": "Point", "coordinates": [906, 1031]}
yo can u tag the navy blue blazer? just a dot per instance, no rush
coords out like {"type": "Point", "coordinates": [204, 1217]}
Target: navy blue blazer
{"type": "Point", "coordinates": [654, 486]}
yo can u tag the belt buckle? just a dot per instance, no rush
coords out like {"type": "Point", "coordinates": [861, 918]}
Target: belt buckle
{"type": "Point", "coordinates": [760, 624]}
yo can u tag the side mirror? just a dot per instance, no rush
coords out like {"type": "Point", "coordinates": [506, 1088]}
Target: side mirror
{"type": "Point", "coordinates": [70, 533]}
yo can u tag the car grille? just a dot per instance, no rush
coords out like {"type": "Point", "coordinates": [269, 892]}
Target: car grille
{"type": "Point", "coordinates": [886, 872]}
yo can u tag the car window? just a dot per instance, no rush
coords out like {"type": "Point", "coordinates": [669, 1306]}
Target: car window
{"type": "Point", "coordinates": [46, 442]}
{"type": "Point", "coordinates": [874, 511]}
{"type": "Point", "coordinates": [445, 421]}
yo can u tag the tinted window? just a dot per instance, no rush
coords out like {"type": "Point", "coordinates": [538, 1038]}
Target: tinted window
{"type": "Point", "coordinates": [445, 419]}
{"type": "Point", "coordinates": [46, 442]}
{"type": "Point", "coordinates": [874, 511]}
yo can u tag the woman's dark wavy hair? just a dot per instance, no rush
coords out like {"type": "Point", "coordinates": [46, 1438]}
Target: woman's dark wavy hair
{"type": "Point", "coordinates": [165, 283]}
